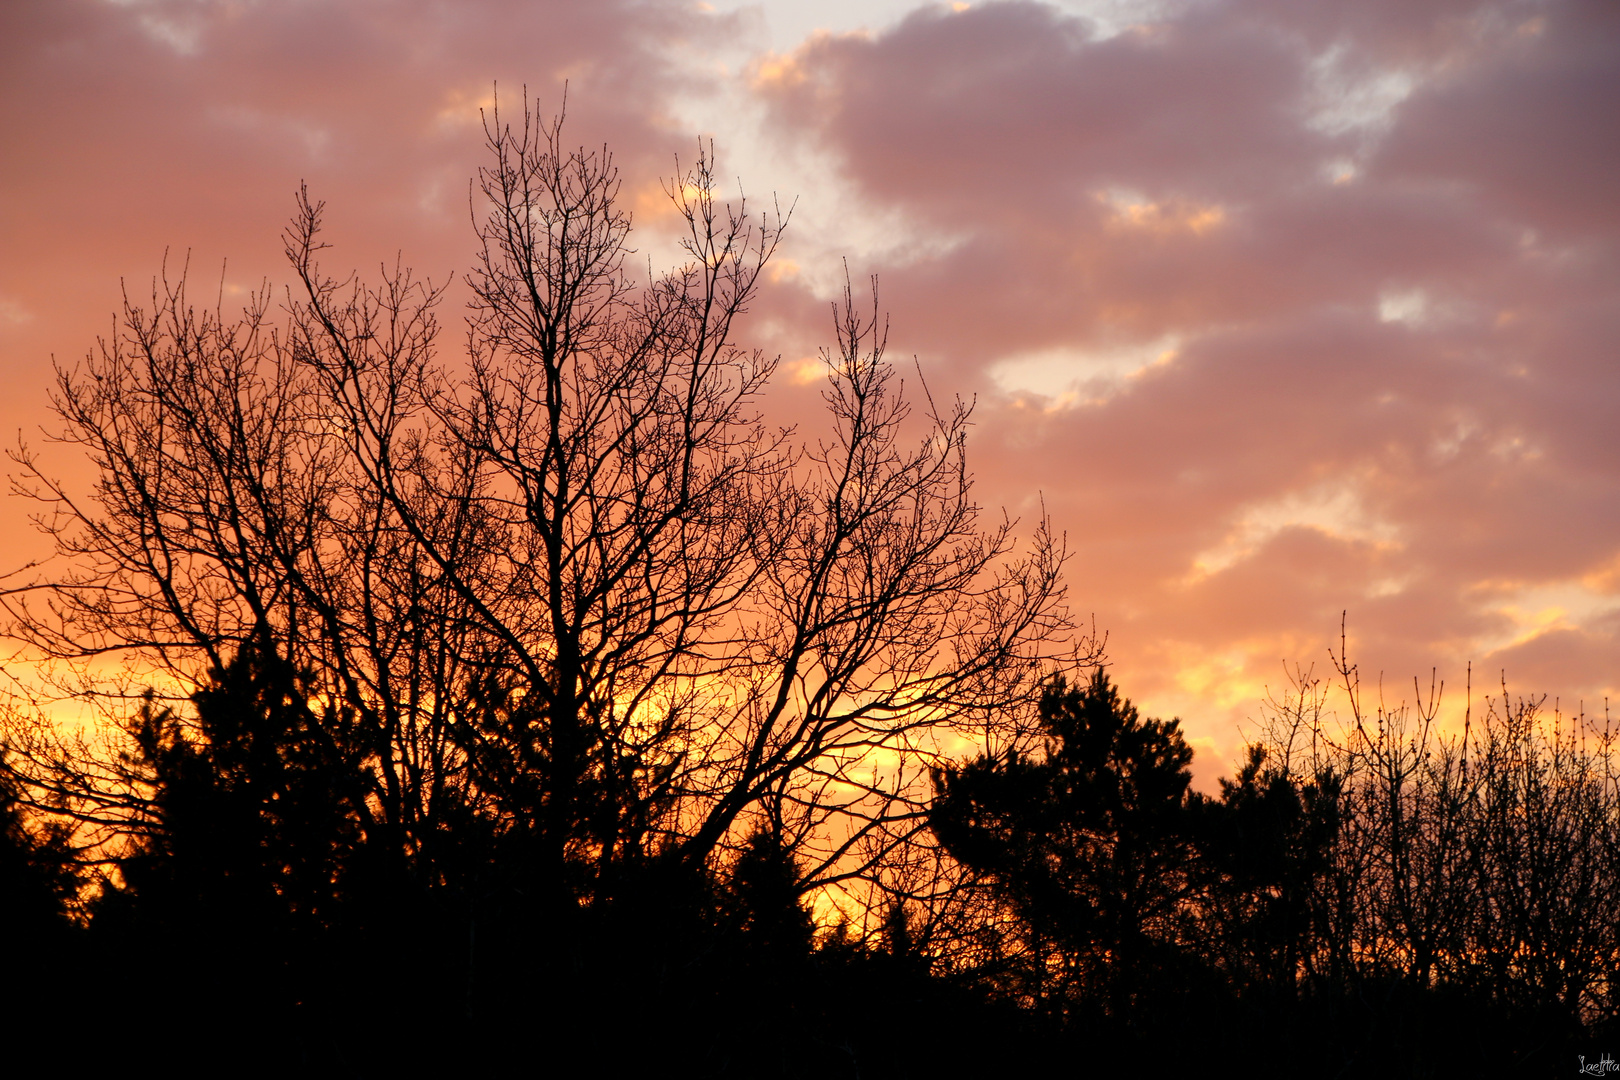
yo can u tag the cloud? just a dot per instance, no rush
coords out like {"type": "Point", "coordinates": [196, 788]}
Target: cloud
{"type": "Point", "coordinates": [187, 125]}
{"type": "Point", "coordinates": [1373, 242]}
{"type": "Point", "coordinates": [1332, 508]}
{"type": "Point", "coordinates": [174, 133]}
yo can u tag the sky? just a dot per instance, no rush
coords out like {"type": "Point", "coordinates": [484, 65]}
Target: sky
{"type": "Point", "coordinates": [1287, 311]}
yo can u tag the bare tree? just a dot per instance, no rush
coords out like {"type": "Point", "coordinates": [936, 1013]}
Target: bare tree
{"type": "Point", "coordinates": [1480, 860]}
{"type": "Point", "coordinates": [576, 584]}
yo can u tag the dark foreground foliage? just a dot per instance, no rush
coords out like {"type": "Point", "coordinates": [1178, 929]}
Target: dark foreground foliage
{"type": "Point", "coordinates": [1384, 903]}
{"type": "Point", "coordinates": [253, 917]}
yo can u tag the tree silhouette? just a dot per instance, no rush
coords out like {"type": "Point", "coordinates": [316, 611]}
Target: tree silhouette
{"type": "Point", "coordinates": [574, 594]}
{"type": "Point", "coordinates": [1265, 850]}
{"type": "Point", "coordinates": [553, 660]}
{"type": "Point", "coordinates": [1089, 843]}
{"type": "Point", "coordinates": [40, 880]}
{"type": "Point", "coordinates": [38, 873]}
{"type": "Point", "coordinates": [245, 864]}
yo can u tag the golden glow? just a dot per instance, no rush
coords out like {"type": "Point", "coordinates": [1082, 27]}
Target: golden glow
{"type": "Point", "coordinates": [781, 270]}
{"type": "Point", "coordinates": [1129, 211]}
{"type": "Point", "coordinates": [803, 372]}
{"type": "Point", "coordinates": [1605, 579]}
{"type": "Point", "coordinates": [776, 71]}
{"type": "Point", "coordinates": [1534, 610]}
{"type": "Point", "coordinates": [463, 109]}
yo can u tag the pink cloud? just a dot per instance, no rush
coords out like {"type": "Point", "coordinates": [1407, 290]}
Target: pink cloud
{"type": "Point", "coordinates": [1389, 378]}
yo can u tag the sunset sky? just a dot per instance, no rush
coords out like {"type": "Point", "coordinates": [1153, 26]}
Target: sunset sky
{"type": "Point", "coordinates": [1284, 308]}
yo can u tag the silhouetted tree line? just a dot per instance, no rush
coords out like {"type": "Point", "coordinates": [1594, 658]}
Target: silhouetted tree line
{"type": "Point", "coordinates": [253, 911]}
{"type": "Point", "coordinates": [1378, 899]}
{"type": "Point", "coordinates": [1384, 901]}
{"type": "Point", "coordinates": [548, 711]}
